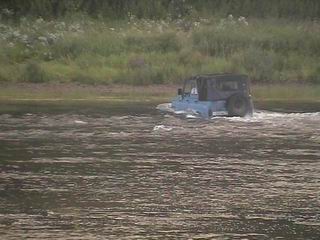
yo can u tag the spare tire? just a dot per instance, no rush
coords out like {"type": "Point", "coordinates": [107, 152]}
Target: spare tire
{"type": "Point", "coordinates": [238, 105]}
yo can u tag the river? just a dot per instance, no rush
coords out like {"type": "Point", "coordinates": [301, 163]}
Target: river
{"type": "Point", "coordinates": [139, 173]}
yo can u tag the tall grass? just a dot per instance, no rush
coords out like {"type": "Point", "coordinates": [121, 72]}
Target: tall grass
{"type": "Point", "coordinates": [141, 52]}
{"type": "Point", "coordinates": [159, 9]}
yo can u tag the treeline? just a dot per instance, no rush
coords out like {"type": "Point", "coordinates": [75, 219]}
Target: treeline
{"type": "Point", "coordinates": [157, 9]}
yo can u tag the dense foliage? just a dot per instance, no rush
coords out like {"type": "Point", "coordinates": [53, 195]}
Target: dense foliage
{"type": "Point", "coordinates": [149, 41]}
{"type": "Point", "coordinates": [303, 9]}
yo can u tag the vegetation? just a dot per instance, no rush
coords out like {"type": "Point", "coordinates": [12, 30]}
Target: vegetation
{"type": "Point", "coordinates": [158, 42]}
{"type": "Point", "coordinates": [159, 9]}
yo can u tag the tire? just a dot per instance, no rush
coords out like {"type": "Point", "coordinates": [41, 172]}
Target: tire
{"type": "Point", "coordinates": [238, 105]}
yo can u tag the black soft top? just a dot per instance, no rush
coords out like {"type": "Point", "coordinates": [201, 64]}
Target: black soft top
{"type": "Point", "coordinates": [220, 86]}
{"type": "Point", "coordinates": [222, 76]}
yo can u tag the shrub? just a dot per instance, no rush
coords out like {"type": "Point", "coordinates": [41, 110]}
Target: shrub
{"type": "Point", "coordinates": [3, 78]}
{"type": "Point", "coordinates": [86, 79]}
{"type": "Point", "coordinates": [213, 41]}
{"type": "Point", "coordinates": [259, 64]}
{"type": "Point", "coordinates": [191, 57]}
{"type": "Point", "coordinates": [140, 76]}
{"type": "Point", "coordinates": [136, 62]}
{"type": "Point", "coordinates": [315, 76]}
{"type": "Point", "coordinates": [71, 48]}
{"type": "Point", "coordinates": [34, 73]}
{"type": "Point", "coordinates": [165, 42]}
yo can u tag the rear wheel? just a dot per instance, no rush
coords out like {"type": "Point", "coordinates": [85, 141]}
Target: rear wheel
{"type": "Point", "coordinates": [238, 105]}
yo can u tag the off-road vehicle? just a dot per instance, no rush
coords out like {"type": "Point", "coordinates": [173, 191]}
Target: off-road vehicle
{"type": "Point", "coordinates": [215, 94]}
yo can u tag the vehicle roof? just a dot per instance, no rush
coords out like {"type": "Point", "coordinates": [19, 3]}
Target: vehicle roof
{"type": "Point", "coordinates": [212, 75]}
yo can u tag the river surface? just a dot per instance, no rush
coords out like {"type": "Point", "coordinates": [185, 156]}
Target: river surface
{"type": "Point", "coordinates": [139, 173]}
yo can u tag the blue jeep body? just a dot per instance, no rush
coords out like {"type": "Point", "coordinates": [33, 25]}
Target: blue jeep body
{"type": "Point", "coordinates": [215, 95]}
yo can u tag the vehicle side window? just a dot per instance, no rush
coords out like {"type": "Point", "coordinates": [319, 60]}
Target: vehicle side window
{"type": "Point", "coordinates": [191, 87]}
{"type": "Point", "coordinates": [229, 85]}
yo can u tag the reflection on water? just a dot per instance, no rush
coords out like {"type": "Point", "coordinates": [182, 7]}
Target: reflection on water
{"type": "Point", "coordinates": [152, 175]}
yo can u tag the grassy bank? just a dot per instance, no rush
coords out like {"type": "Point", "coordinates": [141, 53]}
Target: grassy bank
{"type": "Point", "coordinates": [50, 97]}
{"type": "Point", "coordinates": [163, 93]}
{"type": "Point", "coordinates": [141, 52]}
{"type": "Point", "coordinates": [61, 92]}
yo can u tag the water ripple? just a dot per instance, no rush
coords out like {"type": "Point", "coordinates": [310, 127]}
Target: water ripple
{"type": "Point", "coordinates": [159, 176]}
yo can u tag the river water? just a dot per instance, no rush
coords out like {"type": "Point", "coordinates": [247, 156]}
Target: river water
{"type": "Point", "coordinates": [139, 173]}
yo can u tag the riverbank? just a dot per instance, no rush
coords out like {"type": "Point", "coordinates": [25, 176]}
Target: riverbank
{"type": "Point", "coordinates": [80, 92]}
{"type": "Point", "coordinates": [143, 51]}
{"type": "Point", "coordinates": [291, 97]}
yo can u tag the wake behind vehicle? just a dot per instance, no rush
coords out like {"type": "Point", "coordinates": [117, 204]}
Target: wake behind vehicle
{"type": "Point", "coordinates": [215, 95]}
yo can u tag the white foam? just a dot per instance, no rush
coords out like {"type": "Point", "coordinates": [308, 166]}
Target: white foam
{"type": "Point", "coordinates": [274, 118]}
{"type": "Point", "coordinates": [162, 128]}
{"type": "Point", "coordinates": [80, 122]}
{"type": "Point", "coordinates": [166, 107]}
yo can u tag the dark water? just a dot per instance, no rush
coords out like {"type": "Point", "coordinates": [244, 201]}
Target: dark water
{"type": "Point", "coordinates": [137, 173]}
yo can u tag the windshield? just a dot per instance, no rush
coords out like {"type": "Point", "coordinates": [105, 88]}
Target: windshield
{"type": "Point", "coordinates": [191, 87]}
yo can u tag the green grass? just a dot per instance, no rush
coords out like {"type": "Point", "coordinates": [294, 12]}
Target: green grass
{"type": "Point", "coordinates": [291, 92]}
{"type": "Point", "coordinates": [143, 52]}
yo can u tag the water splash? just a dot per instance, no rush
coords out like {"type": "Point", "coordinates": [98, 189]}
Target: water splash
{"type": "Point", "coordinates": [162, 128]}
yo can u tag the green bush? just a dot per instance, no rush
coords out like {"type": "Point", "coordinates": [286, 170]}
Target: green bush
{"type": "Point", "coordinates": [3, 78]}
{"type": "Point", "coordinates": [34, 73]}
{"type": "Point", "coordinates": [143, 76]}
{"type": "Point", "coordinates": [259, 64]}
{"type": "Point", "coordinates": [165, 42]}
{"type": "Point", "coordinates": [69, 47]}
{"type": "Point", "coordinates": [218, 42]}
{"type": "Point", "coordinates": [315, 76]}
{"type": "Point", "coordinates": [86, 79]}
